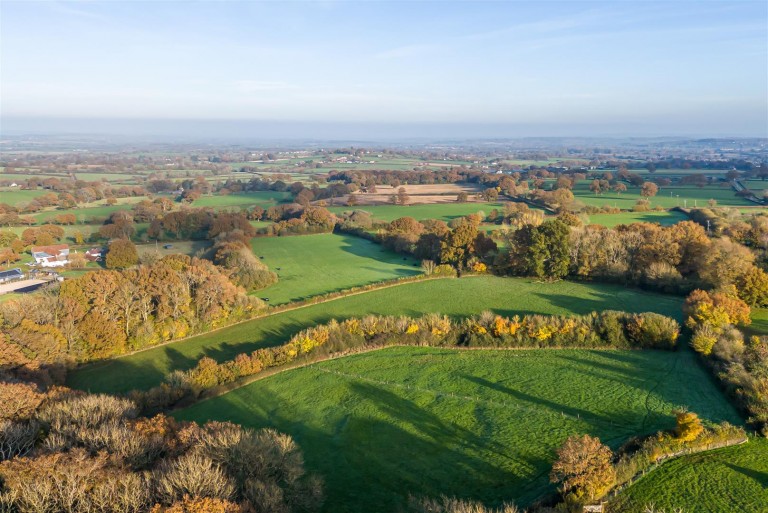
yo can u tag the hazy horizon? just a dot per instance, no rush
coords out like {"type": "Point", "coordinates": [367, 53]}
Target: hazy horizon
{"type": "Point", "coordinates": [223, 130]}
{"type": "Point", "coordinates": [381, 70]}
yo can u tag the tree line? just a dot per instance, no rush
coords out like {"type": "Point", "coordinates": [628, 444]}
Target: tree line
{"type": "Point", "coordinates": [717, 319]}
{"type": "Point", "coordinates": [106, 313]}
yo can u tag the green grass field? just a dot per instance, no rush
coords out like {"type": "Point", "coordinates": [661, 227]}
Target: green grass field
{"type": "Point", "coordinates": [15, 196]}
{"type": "Point", "coordinates": [695, 196]}
{"type": "Point", "coordinates": [444, 211]}
{"type": "Point", "coordinates": [475, 424]}
{"type": "Point", "coordinates": [69, 230]}
{"type": "Point", "coordinates": [664, 218]}
{"type": "Point", "coordinates": [191, 248]}
{"type": "Point", "coordinates": [264, 199]}
{"type": "Point", "coordinates": [759, 324]}
{"type": "Point", "coordinates": [731, 479]}
{"type": "Point", "coordinates": [679, 172]}
{"type": "Point", "coordinates": [110, 177]}
{"type": "Point", "coordinates": [20, 177]}
{"type": "Point", "coordinates": [455, 297]}
{"type": "Point", "coordinates": [94, 212]}
{"type": "Point", "coordinates": [308, 265]}
{"type": "Point", "coordinates": [535, 163]}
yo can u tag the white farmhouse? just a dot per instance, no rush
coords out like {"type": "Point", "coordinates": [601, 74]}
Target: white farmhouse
{"type": "Point", "coordinates": [51, 256]}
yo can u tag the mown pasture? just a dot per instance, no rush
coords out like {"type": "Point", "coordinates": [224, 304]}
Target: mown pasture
{"type": "Point", "coordinates": [442, 211]}
{"type": "Point", "coordinates": [478, 424]}
{"type": "Point", "coordinates": [309, 265]}
{"type": "Point", "coordinates": [667, 197]}
{"type": "Point", "coordinates": [264, 199]}
{"type": "Point", "coordinates": [14, 196]}
{"type": "Point", "coordinates": [198, 248]}
{"type": "Point", "coordinates": [454, 297]}
{"type": "Point", "coordinates": [730, 479]}
{"type": "Point", "coordinates": [95, 212]}
{"type": "Point", "coordinates": [664, 218]}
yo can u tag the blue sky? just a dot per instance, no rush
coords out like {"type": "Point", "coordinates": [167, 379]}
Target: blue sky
{"type": "Point", "coordinates": [642, 68]}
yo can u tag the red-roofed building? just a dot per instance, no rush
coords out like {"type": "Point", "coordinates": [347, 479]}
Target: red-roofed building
{"type": "Point", "coordinates": [51, 256]}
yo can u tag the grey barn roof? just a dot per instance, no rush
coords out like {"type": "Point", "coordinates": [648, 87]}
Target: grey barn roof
{"type": "Point", "coordinates": [11, 273]}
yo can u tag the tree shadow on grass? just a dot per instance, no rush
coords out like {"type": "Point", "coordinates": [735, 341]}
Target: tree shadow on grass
{"type": "Point", "coordinates": [580, 305]}
{"type": "Point", "coordinates": [760, 477]}
{"type": "Point", "coordinates": [633, 375]}
{"type": "Point", "coordinates": [579, 413]}
{"type": "Point", "coordinates": [364, 248]}
{"type": "Point", "coordinates": [121, 375]}
{"type": "Point", "coordinates": [373, 459]}
{"type": "Point", "coordinates": [614, 297]}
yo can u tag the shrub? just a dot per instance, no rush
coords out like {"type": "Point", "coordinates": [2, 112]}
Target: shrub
{"type": "Point", "coordinates": [453, 505]}
{"type": "Point", "coordinates": [445, 270]}
{"type": "Point", "coordinates": [73, 482]}
{"type": "Point", "coordinates": [200, 505]}
{"type": "Point", "coordinates": [652, 331]}
{"type": "Point", "coordinates": [704, 339]}
{"type": "Point", "coordinates": [87, 411]}
{"type": "Point", "coordinates": [194, 475]}
{"type": "Point", "coordinates": [17, 438]}
{"type": "Point", "coordinates": [688, 426]}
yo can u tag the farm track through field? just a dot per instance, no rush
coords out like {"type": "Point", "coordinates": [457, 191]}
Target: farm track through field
{"type": "Point", "coordinates": [655, 387]}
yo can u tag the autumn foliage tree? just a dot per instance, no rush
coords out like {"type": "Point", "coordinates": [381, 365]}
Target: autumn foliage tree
{"type": "Point", "coordinates": [688, 426]}
{"type": "Point", "coordinates": [96, 454]}
{"type": "Point", "coordinates": [649, 190]}
{"type": "Point", "coordinates": [104, 313]}
{"type": "Point", "coordinates": [464, 243]}
{"type": "Point", "coordinates": [583, 468]}
{"type": "Point", "coordinates": [122, 253]}
{"type": "Point", "coordinates": [541, 251]}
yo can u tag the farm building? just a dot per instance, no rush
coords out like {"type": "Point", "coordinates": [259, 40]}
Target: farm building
{"type": "Point", "coordinates": [11, 275]}
{"type": "Point", "coordinates": [93, 255]}
{"type": "Point", "coordinates": [51, 256]}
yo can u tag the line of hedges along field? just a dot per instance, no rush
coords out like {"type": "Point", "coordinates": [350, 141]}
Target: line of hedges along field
{"type": "Point", "coordinates": [607, 329]}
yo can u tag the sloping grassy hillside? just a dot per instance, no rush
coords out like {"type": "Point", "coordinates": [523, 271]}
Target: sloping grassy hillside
{"type": "Point", "coordinates": [731, 479]}
{"type": "Point", "coordinates": [478, 424]}
{"type": "Point", "coordinates": [309, 265]}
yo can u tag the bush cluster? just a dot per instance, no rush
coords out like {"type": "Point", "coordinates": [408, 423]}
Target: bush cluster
{"type": "Point", "coordinates": [742, 367]}
{"type": "Point", "coordinates": [82, 453]}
